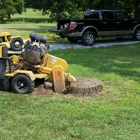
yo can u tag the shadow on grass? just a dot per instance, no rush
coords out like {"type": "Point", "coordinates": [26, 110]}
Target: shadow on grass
{"type": "Point", "coordinates": [30, 20]}
{"type": "Point", "coordinates": [121, 60]}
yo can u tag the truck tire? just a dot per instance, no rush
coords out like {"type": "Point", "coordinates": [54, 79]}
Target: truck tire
{"type": "Point", "coordinates": [16, 44]}
{"type": "Point", "coordinates": [72, 39]}
{"type": "Point", "coordinates": [88, 38]}
{"type": "Point", "coordinates": [136, 35]}
{"type": "Point", "coordinates": [21, 83]}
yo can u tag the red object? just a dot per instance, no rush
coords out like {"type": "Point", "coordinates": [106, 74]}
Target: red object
{"type": "Point", "coordinates": [58, 73]}
{"type": "Point", "coordinates": [73, 25]}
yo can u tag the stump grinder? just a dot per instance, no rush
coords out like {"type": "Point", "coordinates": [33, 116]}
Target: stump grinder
{"type": "Point", "coordinates": [20, 72]}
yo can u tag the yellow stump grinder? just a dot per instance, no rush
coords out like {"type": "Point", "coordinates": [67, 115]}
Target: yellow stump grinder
{"type": "Point", "coordinates": [19, 72]}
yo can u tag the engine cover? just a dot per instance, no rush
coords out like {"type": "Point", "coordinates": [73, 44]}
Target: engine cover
{"type": "Point", "coordinates": [32, 57]}
{"type": "Point", "coordinates": [33, 54]}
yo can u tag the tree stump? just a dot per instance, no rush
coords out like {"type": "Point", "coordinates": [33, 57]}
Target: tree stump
{"type": "Point", "coordinates": [85, 87]}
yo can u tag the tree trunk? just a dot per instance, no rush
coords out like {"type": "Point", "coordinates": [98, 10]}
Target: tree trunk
{"type": "Point", "coordinates": [137, 9]}
{"type": "Point", "coordinates": [85, 87]}
{"type": "Point", "coordinates": [9, 16]}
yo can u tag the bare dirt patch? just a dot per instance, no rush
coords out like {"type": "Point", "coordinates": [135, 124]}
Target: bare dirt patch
{"type": "Point", "coordinates": [83, 87]}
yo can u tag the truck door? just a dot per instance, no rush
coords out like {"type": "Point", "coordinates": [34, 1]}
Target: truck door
{"type": "Point", "coordinates": [109, 24]}
{"type": "Point", "coordinates": [124, 23]}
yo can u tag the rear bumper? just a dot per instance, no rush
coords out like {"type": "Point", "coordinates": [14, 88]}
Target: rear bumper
{"type": "Point", "coordinates": [66, 33]}
{"type": "Point", "coordinates": [59, 31]}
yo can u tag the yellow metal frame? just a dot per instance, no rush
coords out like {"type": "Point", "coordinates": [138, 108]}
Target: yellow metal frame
{"type": "Point", "coordinates": [51, 37]}
{"type": "Point", "coordinates": [7, 40]}
{"type": "Point", "coordinates": [29, 73]}
{"type": "Point", "coordinates": [5, 35]}
{"type": "Point", "coordinates": [58, 78]}
{"type": "Point", "coordinates": [50, 61]}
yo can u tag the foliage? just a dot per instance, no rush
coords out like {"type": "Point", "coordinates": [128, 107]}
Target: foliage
{"type": "Point", "coordinates": [9, 7]}
{"type": "Point", "coordinates": [137, 9]}
{"type": "Point", "coordinates": [62, 9]}
{"type": "Point", "coordinates": [57, 9]}
{"type": "Point", "coordinates": [75, 8]}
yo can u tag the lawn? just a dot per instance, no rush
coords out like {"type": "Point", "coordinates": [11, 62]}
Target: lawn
{"type": "Point", "coordinates": [111, 115]}
{"type": "Point", "coordinates": [23, 25]}
{"type": "Point", "coordinates": [114, 114]}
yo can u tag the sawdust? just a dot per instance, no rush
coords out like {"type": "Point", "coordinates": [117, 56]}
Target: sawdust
{"type": "Point", "coordinates": [87, 88]}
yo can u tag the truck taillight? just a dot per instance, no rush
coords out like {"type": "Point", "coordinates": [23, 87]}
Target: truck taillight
{"type": "Point", "coordinates": [73, 25]}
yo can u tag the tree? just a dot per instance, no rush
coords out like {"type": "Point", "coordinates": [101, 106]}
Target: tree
{"type": "Point", "coordinates": [75, 8]}
{"type": "Point", "coordinates": [9, 7]}
{"type": "Point", "coordinates": [56, 8]}
{"type": "Point", "coordinates": [137, 9]}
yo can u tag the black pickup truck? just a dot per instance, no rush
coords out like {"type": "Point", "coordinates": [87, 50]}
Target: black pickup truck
{"type": "Point", "coordinates": [99, 23]}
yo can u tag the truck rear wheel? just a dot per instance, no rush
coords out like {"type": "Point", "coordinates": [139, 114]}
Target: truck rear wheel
{"type": "Point", "coordinates": [88, 38]}
{"type": "Point", "coordinates": [136, 35]}
{"type": "Point", "coordinates": [72, 39]}
{"type": "Point", "coordinates": [16, 44]}
{"type": "Point", "coordinates": [21, 83]}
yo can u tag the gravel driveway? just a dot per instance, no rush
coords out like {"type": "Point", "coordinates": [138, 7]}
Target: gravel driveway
{"type": "Point", "coordinates": [79, 45]}
{"type": "Point", "coordinates": [58, 45]}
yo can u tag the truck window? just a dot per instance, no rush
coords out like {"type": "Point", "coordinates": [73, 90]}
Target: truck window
{"type": "Point", "coordinates": [92, 15]}
{"type": "Point", "coordinates": [108, 15]}
{"type": "Point", "coordinates": [121, 16]}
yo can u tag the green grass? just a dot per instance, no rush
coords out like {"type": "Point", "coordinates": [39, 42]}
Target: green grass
{"type": "Point", "coordinates": [113, 115]}
{"type": "Point", "coordinates": [29, 16]}
{"type": "Point", "coordinates": [29, 21]}
{"type": "Point", "coordinates": [24, 30]}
